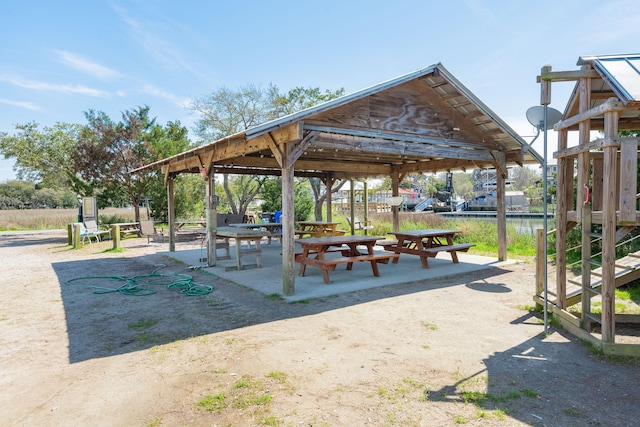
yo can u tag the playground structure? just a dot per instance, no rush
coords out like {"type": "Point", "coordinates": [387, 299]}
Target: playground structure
{"type": "Point", "coordinates": [606, 99]}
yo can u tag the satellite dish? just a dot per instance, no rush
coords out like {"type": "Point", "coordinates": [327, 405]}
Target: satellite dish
{"type": "Point", "coordinates": [535, 115]}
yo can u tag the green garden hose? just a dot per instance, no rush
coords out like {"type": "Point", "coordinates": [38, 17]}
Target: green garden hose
{"type": "Point", "coordinates": [139, 285]}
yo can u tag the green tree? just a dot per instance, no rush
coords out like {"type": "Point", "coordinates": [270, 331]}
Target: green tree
{"type": "Point", "coordinates": [107, 152]}
{"type": "Point", "coordinates": [45, 156]}
{"type": "Point", "coordinates": [271, 194]}
{"type": "Point", "coordinates": [189, 189]}
{"type": "Point", "coordinates": [320, 196]}
{"type": "Point", "coordinates": [16, 194]}
{"type": "Point", "coordinates": [225, 112]}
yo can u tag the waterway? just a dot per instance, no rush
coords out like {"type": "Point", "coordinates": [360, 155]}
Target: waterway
{"type": "Point", "coordinates": [522, 222]}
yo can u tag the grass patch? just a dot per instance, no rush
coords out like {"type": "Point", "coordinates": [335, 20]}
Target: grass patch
{"type": "Point", "coordinates": [213, 402]}
{"type": "Point", "coordinates": [429, 326]}
{"type": "Point", "coordinates": [571, 411]}
{"type": "Point", "coordinates": [143, 324]}
{"type": "Point", "coordinates": [275, 297]}
{"type": "Point", "coordinates": [281, 377]}
{"type": "Point", "coordinates": [270, 421]}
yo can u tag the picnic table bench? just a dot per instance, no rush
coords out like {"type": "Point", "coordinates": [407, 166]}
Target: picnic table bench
{"type": "Point", "coordinates": [317, 229]}
{"type": "Point", "coordinates": [426, 244]}
{"type": "Point", "coordinates": [314, 250]}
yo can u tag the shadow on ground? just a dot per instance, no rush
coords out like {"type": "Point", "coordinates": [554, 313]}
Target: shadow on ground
{"type": "Point", "coordinates": [103, 322]}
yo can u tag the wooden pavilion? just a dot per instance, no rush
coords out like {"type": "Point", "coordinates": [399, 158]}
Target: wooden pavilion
{"type": "Point", "coordinates": [424, 121]}
{"type": "Point", "coordinates": [606, 98]}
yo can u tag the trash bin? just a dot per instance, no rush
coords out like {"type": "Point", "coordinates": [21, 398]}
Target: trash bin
{"type": "Point", "coordinates": [268, 217]}
{"type": "Point", "coordinates": [277, 215]}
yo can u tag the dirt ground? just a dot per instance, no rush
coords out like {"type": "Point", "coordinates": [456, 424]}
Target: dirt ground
{"type": "Point", "coordinates": [457, 351]}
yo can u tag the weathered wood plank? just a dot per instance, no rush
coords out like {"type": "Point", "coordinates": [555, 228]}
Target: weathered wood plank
{"type": "Point", "coordinates": [628, 181]}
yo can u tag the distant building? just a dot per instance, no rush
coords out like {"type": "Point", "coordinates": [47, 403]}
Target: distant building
{"type": "Point", "coordinates": [552, 173]}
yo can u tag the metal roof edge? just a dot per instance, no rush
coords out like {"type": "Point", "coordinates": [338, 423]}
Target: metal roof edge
{"type": "Point", "coordinates": [588, 59]}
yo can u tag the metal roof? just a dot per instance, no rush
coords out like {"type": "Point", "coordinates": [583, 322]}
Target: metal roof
{"type": "Point", "coordinates": [621, 73]}
{"type": "Point", "coordinates": [618, 77]}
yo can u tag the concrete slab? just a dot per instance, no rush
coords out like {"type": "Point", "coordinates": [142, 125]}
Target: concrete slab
{"type": "Point", "coordinates": [268, 279]}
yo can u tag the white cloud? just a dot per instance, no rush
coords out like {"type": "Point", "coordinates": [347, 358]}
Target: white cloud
{"type": "Point", "coordinates": [480, 10]}
{"type": "Point", "coordinates": [87, 66]}
{"type": "Point", "coordinates": [21, 104]}
{"type": "Point", "coordinates": [150, 89]}
{"type": "Point", "coordinates": [156, 46]}
{"type": "Point", "coordinates": [44, 86]}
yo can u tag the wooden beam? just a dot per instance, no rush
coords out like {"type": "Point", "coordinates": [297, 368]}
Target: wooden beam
{"type": "Point", "coordinates": [299, 149]}
{"type": "Point", "coordinates": [401, 148]}
{"type": "Point", "coordinates": [311, 165]}
{"type": "Point", "coordinates": [566, 76]}
{"type": "Point", "coordinates": [379, 135]}
{"type": "Point", "coordinates": [612, 104]}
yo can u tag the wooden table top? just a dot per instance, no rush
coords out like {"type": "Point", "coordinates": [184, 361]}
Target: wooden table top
{"type": "Point", "coordinates": [256, 225]}
{"type": "Point", "coordinates": [237, 232]}
{"type": "Point", "coordinates": [432, 232]}
{"type": "Point", "coordinates": [338, 240]}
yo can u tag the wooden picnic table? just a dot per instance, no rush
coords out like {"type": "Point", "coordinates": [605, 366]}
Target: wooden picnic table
{"type": "Point", "coordinates": [315, 249]}
{"type": "Point", "coordinates": [274, 228]}
{"type": "Point", "coordinates": [191, 222]}
{"type": "Point", "coordinates": [426, 244]}
{"type": "Point", "coordinates": [317, 229]}
{"type": "Point", "coordinates": [240, 235]}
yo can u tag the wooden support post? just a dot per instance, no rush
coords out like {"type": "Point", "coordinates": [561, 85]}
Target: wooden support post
{"type": "Point", "coordinates": [395, 183]}
{"type": "Point", "coordinates": [212, 218]}
{"type": "Point", "coordinates": [586, 268]}
{"type": "Point", "coordinates": [352, 205]}
{"type": "Point", "coordinates": [540, 260]}
{"type": "Point", "coordinates": [77, 242]}
{"type": "Point", "coordinates": [563, 203]}
{"type": "Point", "coordinates": [287, 219]}
{"type": "Point", "coordinates": [609, 229]}
{"type": "Point", "coordinates": [329, 187]}
{"type": "Point", "coordinates": [501, 213]}
{"type": "Point", "coordinates": [545, 87]}
{"type": "Point", "coordinates": [366, 205]}
{"type": "Point", "coordinates": [584, 131]}
{"type": "Point", "coordinates": [171, 214]}
{"type": "Point", "coordinates": [115, 236]}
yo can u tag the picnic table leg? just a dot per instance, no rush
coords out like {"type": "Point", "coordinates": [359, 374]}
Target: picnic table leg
{"type": "Point", "coordinates": [238, 258]}
{"type": "Point", "coordinates": [303, 265]}
{"type": "Point", "coordinates": [325, 275]}
{"type": "Point", "coordinates": [258, 254]}
{"type": "Point", "coordinates": [374, 268]}
{"type": "Point", "coordinates": [424, 259]}
{"type": "Point", "coordinates": [454, 254]}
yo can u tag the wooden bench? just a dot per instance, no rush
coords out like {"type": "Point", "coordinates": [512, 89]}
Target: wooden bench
{"type": "Point", "coordinates": [452, 249]}
{"type": "Point", "coordinates": [343, 250]}
{"type": "Point", "coordinates": [389, 245]}
{"type": "Point", "coordinates": [327, 265]}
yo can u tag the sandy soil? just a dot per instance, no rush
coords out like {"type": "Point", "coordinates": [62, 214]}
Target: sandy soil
{"type": "Point", "coordinates": [462, 350]}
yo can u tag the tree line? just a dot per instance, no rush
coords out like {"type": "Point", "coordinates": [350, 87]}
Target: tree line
{"type": "Point", "coordinates": [96, 158]}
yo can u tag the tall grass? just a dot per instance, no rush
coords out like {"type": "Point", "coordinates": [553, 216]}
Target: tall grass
{"type": "Point", "coordinates": [483, 234]}
{"type": "Point", "coordinates": [52, 219]}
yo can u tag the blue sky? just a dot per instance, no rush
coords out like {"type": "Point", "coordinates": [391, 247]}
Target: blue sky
{"type": "Point", "coordinates": [61, 58]}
